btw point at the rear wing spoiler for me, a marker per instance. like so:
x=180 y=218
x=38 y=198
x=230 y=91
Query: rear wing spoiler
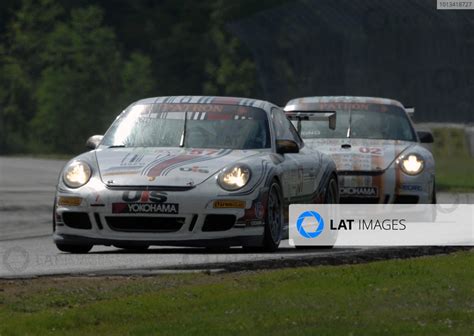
x=330 y=116
x=410 y=111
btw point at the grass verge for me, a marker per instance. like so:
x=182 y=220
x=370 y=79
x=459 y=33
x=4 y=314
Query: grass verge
x=454 y=166
x=429 y=295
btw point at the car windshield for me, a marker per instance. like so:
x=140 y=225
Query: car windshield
x=374 y=122
x=206 y=126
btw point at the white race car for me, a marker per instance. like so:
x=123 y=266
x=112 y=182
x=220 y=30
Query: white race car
x=193 y=171
x=379 y=156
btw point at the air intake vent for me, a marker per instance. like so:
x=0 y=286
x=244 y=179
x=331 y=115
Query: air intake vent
x=218 y=223
x=145 y=224
x=406 y=199
x=77 y=220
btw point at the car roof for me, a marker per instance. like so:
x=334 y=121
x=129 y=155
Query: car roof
x=208 y=100
x=345 y=99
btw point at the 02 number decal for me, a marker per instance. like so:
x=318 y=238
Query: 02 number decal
x=371 y=150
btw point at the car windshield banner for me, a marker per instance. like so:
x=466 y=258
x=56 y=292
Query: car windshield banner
x=381 y=224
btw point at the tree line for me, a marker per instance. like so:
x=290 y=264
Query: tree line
x=67 y=68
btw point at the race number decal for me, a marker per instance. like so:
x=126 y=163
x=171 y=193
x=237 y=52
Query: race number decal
x=371 y=150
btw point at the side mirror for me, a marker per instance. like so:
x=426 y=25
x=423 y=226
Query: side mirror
x=94 y=141
x=425 y=137
x=287 y=147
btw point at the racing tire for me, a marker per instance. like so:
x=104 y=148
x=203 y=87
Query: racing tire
x=54 y=217
x=332 y=192
x=273 y=219
x=330 y=197
x=73 y=248
x=434 y=201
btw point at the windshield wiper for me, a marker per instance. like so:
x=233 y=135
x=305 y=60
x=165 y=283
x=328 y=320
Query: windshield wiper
x=183 y=135
x=117 y=146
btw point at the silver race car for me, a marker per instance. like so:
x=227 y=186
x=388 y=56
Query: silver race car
x=379 y=156
x=192 y=171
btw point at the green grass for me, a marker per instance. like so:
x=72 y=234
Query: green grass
x=424 y=296
x=454 y=166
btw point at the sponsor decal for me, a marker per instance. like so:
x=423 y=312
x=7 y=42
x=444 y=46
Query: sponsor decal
x=156 y=208
x=411 y=187
x=191 y=108
x=195 y=169
x=229 y=204
x=144 y=196
x=206 y=152
x=69 y=201
x=259 y=210
x=145 y=202
x=359 y=191
x=341 y=106
x=310 y=133
x=257 y=223
x=346 y=106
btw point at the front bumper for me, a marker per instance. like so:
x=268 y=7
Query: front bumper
x=387 y=187
x=98 y=220
x=246 y=240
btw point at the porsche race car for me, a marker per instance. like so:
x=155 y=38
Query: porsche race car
x=192 y=171
x=380 y=157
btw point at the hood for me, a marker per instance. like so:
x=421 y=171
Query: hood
x=176 y=167
x=360 y=154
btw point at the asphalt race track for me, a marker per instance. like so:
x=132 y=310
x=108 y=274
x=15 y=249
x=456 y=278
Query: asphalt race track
x=26 y=248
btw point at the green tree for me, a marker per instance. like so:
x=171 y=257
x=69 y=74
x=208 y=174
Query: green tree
x=20 y=67
x=85 y=83
x=231 y=71
x=136 y=78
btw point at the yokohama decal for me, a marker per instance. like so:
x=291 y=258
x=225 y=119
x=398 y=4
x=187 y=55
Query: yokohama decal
x=151 y=208
x=359 y=191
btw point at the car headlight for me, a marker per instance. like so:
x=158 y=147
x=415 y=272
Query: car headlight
x=234 y=178
x=411 y=164
x=77 y=174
